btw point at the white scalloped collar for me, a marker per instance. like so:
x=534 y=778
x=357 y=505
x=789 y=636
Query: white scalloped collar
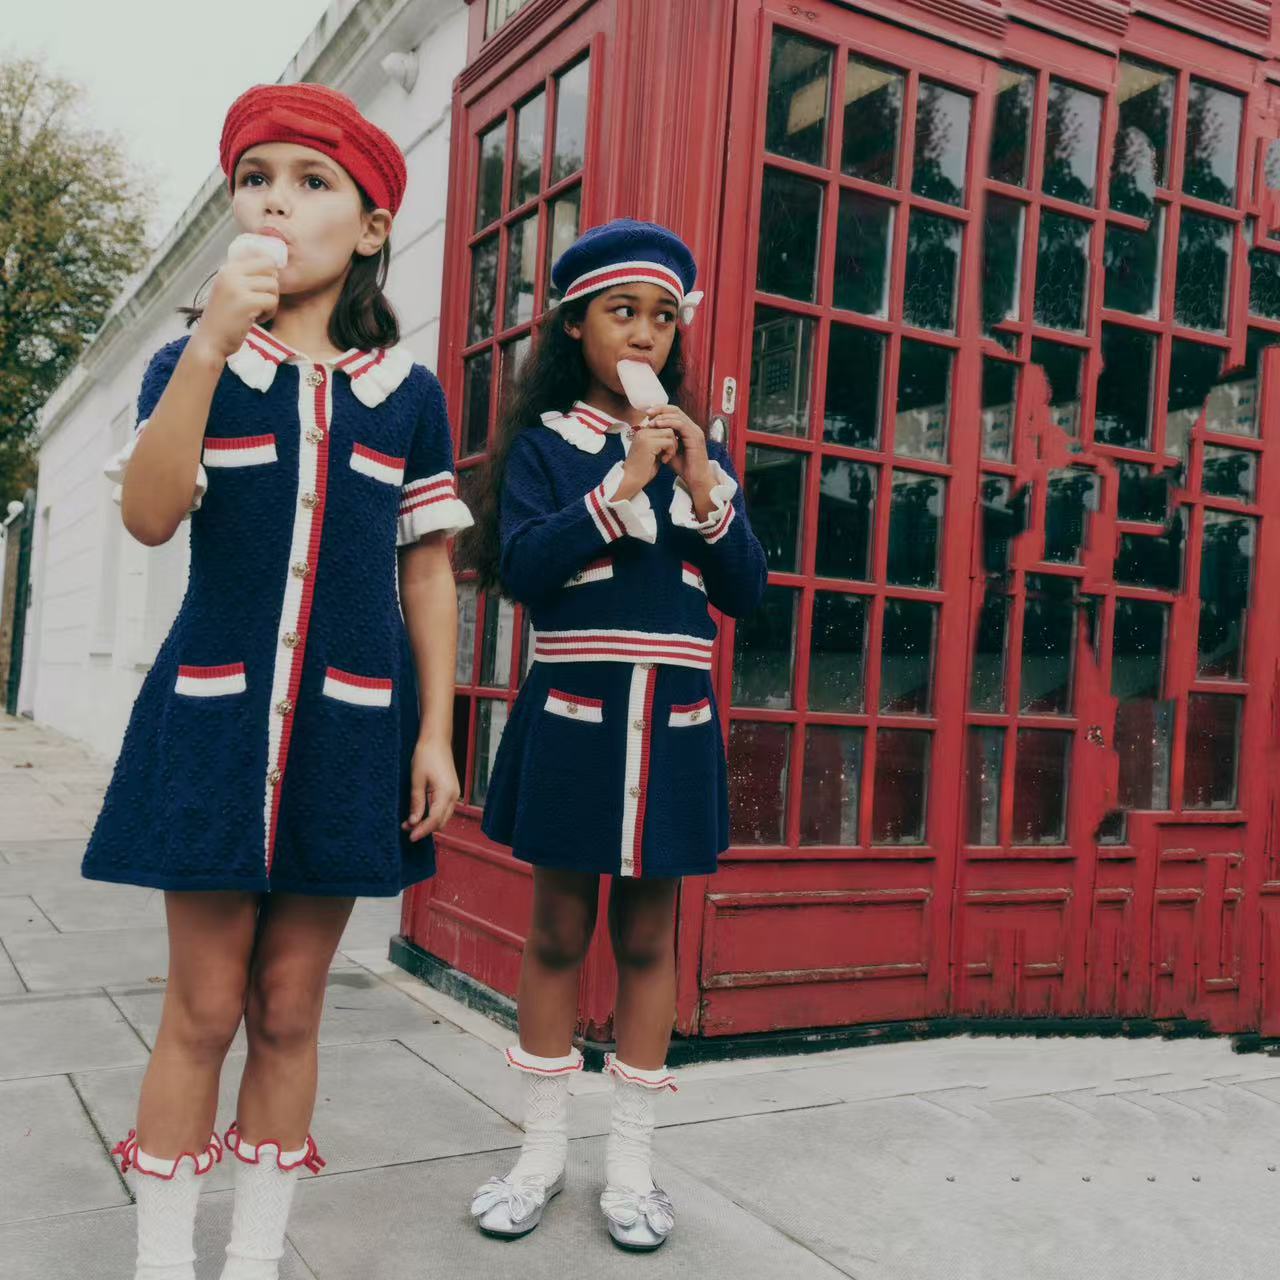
x=374 y=374
x=586 y=427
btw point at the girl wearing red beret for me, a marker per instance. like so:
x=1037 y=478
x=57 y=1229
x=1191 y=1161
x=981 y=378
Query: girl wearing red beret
x=284 y=746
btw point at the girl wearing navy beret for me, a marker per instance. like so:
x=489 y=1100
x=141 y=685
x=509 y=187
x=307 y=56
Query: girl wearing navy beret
x=282 y=749
x=617 y=525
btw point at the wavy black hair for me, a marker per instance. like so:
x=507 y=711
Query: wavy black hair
x=552 y=376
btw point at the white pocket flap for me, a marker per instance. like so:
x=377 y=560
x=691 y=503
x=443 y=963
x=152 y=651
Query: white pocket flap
x=574 y=707
x=689 y=714
x=210 y=682
x=362 y=691
x=239 y=451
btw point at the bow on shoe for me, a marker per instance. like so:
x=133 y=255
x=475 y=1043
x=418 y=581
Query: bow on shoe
x=625 y=1208
x=522 y=1198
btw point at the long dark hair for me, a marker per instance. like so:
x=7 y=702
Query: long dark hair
x=552 y=376
x=362 y=317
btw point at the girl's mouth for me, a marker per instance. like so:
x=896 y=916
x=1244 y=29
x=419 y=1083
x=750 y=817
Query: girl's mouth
x=277 y=233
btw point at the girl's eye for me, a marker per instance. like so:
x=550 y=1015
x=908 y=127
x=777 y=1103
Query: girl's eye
x=323 y=185
x=250 y=179
x=623 y=307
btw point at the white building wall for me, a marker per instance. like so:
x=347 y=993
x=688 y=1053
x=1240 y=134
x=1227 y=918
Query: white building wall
x=103 y=603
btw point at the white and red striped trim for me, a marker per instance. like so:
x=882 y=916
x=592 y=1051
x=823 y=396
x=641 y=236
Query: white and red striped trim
x=431 y=505
x=634 y=272
x=523 y=1060
x=721 y=527
x=573 y=707
x=597 y=571
x=628 y=516
x=429 y=490
x=691 y=576
x=210 y=682
x=719 y=518
x=378 y=466
x=363 y=691
x=635 y=782
x=608 y=523
x=623 y=646
x=239 y=451
x=690 y=713
x=650 y=1078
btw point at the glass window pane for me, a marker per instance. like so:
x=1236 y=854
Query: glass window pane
x=906 y=656
x=1138 y=648
x=564 y=215
x=1233 y=400
x=846 y=519
x=765 y=650
x=759 y=765
x=477 y=381
x=982 y=782
x=924 y=400
x=571 y=120
x=1264 y=283
x=1230 y=473
x=513 y=354
x=1011 y=127
x=1062 y=271
x=465 y=657
x=933 y=267
x=1193 y=371
x=499 y=636
x=790 y=219
x=1063 y=367
x=531 y=124
x=1002 y=261
x=986 y=687
x=1213 y=747
x=900 y=801
x=484 y=282
x=1213 y=143
x=1131 y=263
x=1204 y=267
x=1143 y=493
x=832 y=786
x=1144 y=96
x=781 y=372
x=1144 y=747
x=1153 y=560
x=855 y=373
x=1041 y=776
x=837 y=652
x=999 y=398
x=864 y=237
x=1004 y=516
x=915 y=528
x=1071 y=143
x=522 y=267
x=461 y=735
x=1048 y=644
x=799 y=91
x=774 y=492
x=1071 y=495
x=493 y=155
x=491 y=719
x=1226 y=568
x=1123 y=413
x=872 y=122
x=942 y=143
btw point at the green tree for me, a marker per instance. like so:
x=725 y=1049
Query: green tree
x=72 y=230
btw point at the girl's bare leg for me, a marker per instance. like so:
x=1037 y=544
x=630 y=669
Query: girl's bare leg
x=642 y=926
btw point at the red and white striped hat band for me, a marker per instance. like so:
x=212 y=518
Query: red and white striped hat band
x=638 y=272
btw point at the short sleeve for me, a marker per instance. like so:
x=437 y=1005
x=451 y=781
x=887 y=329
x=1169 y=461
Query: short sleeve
x=154 y=381
x=429 y=501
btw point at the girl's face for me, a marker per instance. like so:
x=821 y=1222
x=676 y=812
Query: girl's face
x=630 y=322
x=313 y=205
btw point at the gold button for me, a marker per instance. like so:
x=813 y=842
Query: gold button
x=315 y=435
x=315 y=378
x=646 y=666
x=284 y=706
x=571 y=708
x=635 y=791
x=701 y=583
x=577 y=577
x=274 y=776
x=310 y=501
x=289 y=639
x=301 y=568
x=637 y=724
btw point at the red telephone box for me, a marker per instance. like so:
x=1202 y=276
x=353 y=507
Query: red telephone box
x=992 y=286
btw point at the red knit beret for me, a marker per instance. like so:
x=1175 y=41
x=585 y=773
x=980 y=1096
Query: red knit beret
x=312 y=115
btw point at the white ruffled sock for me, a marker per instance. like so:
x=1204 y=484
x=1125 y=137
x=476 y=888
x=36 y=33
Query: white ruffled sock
x=628 y=1150
x=265 y=1181
x=546 y=1112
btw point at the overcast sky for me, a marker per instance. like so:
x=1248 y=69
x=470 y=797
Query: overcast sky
x=161 y=73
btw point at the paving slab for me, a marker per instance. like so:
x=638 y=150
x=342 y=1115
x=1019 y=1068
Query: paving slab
x=48 y=1035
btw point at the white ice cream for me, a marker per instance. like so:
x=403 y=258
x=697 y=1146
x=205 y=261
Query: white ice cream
x=641 y=384
x=248 y=244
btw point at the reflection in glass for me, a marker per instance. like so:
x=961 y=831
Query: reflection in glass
x=799 y=91
x=1131 y=263
x=1153 y=560
x=564 y=213
x=1233 y=402
x=1204 y=266
x=924 y=400
x=513 y=354
x=1048 y=644
x=1123 y=413
x=522 y=266
x=942 y=143
x=1072 y=128
x=837 y=652
x=1264 y=283
x=1143 y=493
x=872 y=121
x=1194 y=370
x=790 y=218
x=933 y=266
x=499 y=636
x=1062 y=367
x=906 y=656
x=855 y=372
x=1062 y=271
x=986 y=687
x=1138 y=648
x=484 y=283
x=1011 y=126
x=982 y=782
x=1226 y=568
x=1230 y=473
x=1144 y=721
x=571 y=120
x=1071 y=495
x=1213 y=143
x=846 y=506
x=531 y=121
x=465 y=655
x=1213 y=747
x=1042 y=771
x=1004 y=516
x=491 y=719
x=999 y=399
x=774 y=491
x=781 y=369
x=764 y=652
x=832 y=786
x=477 y=380
x=1002 y=261
x=493 y=155
x=1144 y=96
x=864 y=235
x=915 y=526
x=899 y=801
x=759 y=760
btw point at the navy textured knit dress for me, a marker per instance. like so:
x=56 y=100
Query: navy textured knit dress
x=612 y=760
x=270 y=744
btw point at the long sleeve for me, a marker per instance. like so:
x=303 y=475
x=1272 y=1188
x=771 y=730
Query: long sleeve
x=543 y=543
x=730 y=556
x=429 y=501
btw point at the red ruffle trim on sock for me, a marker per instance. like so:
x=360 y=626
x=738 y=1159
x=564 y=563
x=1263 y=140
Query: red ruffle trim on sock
x=202 y=1161
x=310 y=1159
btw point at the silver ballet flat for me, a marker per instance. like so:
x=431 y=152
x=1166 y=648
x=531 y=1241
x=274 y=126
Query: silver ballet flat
x=636 y=1220
x=510 y=1209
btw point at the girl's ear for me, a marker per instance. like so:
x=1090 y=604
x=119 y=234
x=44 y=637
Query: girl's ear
x=377 y=227
x=573 y=329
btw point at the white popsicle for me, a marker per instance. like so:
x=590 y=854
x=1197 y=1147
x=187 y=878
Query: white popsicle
x=246 y=245
x=641 y=384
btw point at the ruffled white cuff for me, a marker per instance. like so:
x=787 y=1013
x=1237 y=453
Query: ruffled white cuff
x=118 y=464
x=451 y=516
x=717 y=523
x=615 y=519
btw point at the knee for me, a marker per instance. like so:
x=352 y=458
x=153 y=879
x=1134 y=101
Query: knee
x=561 y=944
x=205 y=1022
x=282 y=1014
x=640 y=945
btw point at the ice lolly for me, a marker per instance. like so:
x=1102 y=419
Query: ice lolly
x=246 y=245
x=641 y=384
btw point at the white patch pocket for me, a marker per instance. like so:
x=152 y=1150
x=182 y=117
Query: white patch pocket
x=691 y=576
x=597 y=571
x=210 y=682
x=573 y=707
x=690 y=714
x=239 y=451
x=360 y=691
x=378 y=466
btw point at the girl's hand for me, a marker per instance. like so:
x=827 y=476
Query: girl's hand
x=245 y=290
x=650 y=448
x=690 y=460
x=431 y=773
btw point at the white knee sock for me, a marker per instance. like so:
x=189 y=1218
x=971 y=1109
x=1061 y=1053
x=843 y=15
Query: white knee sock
x=546 y=1112
x=265 y=1182
x=629 y=1146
